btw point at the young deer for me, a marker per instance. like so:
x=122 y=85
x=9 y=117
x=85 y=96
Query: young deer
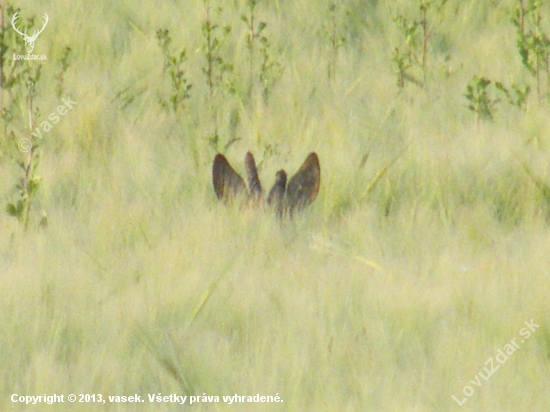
x=302 y=189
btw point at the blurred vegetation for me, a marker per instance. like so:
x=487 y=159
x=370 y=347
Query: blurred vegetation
x=423 y=255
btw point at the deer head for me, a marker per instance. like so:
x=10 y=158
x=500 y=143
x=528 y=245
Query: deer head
x=29 y=40
x=302 y=188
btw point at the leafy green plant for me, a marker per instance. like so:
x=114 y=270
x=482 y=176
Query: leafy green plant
x=334 y=32
x=515 y=95
x=479 y=97
x=271 y=69
x=12 y=74
x=254 y=32
x=18 y=80
x=29 y=182
x=64 y=66
x=402 y=62
x=482 y=102
x=10 y=43
x=174 y=65
x=532 y=42
x=217 y=70
x=414 y=52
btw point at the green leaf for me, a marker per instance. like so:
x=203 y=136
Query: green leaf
x=11 y=210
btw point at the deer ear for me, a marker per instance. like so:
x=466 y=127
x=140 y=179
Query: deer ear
x=254 y=184
x=227 y=183
x=276 y=196
x=304 y=185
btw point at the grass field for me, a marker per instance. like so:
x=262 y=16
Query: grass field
x=424 y=254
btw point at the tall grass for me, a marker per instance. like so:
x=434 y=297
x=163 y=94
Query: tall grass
x=143 y=283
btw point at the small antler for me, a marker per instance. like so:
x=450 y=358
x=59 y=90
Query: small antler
x=35 y=33
x=13 y=20
x=29 y=40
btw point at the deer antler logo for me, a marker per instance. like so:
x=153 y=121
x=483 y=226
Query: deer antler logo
x=29 y=40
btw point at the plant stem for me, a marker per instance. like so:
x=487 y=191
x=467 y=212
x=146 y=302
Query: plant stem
x=425 y=35
x=28 y=166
